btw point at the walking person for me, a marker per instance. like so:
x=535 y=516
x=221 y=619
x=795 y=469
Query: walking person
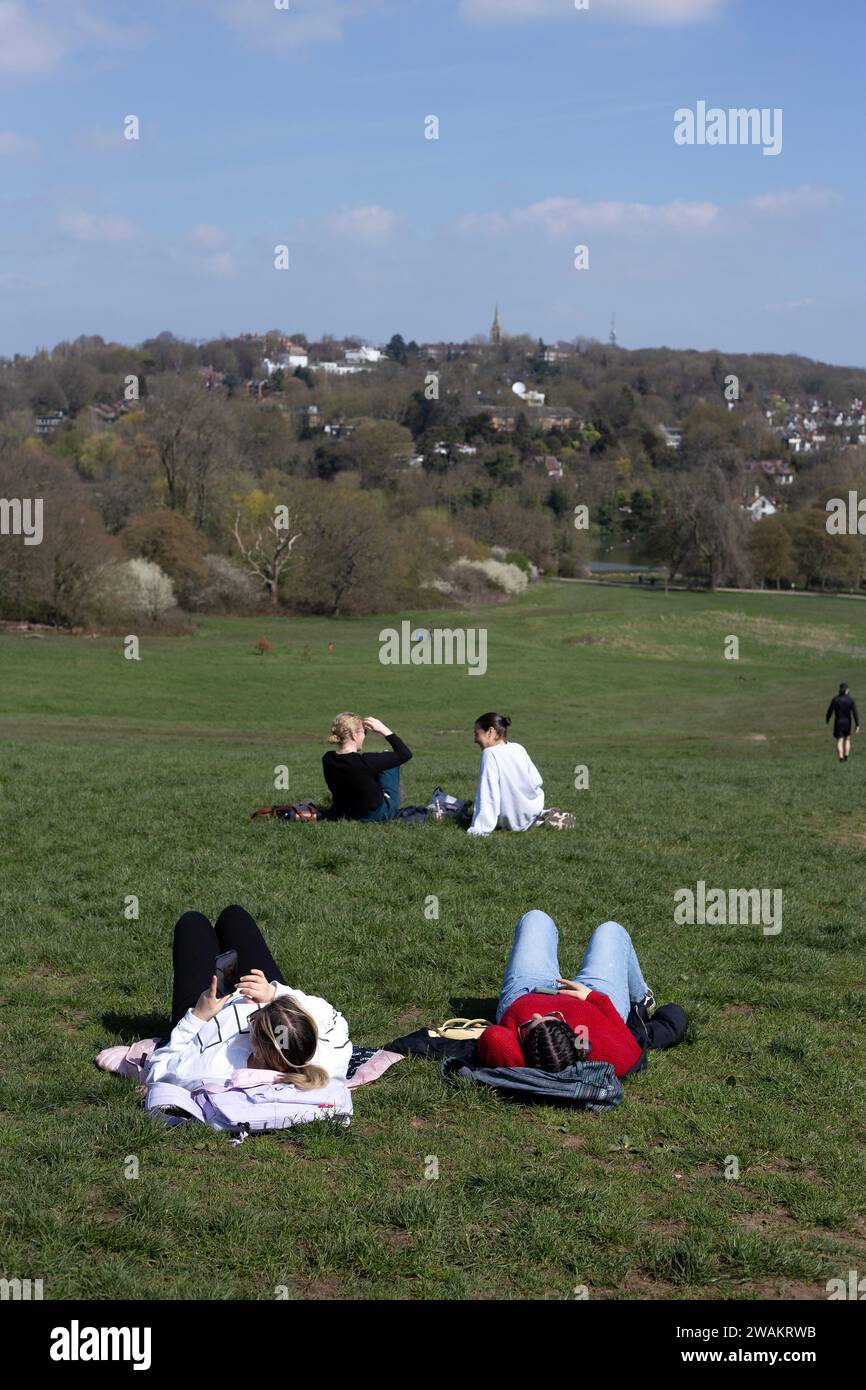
x=844 y=711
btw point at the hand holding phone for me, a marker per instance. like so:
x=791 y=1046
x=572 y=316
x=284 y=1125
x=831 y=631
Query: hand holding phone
x=226 y=971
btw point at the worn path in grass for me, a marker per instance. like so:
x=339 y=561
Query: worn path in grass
x=122 y=778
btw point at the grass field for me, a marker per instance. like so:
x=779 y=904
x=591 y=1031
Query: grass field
x=122 y=778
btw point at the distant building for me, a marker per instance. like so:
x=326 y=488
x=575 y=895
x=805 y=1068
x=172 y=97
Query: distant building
x=672 y=435
x=552 y=417
x=46 y=424
x=550 y=463
x=760 y=506
x=337 y=368
x=782 y=474
x=496 y=329
x=286 y=361
x=362 y=356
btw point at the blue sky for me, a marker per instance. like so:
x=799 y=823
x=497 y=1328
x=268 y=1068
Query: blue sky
x=305 y=126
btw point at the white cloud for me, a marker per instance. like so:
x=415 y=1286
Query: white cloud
x=11 y=143
x=207 y=235
x=804 y=199
x=571 y=216
x=304 y=22
x=36 y=35
x=559 y=217
x=373 y=224
x=27 y=42
x=635 y=11
x=88 y=227
x=789 y=305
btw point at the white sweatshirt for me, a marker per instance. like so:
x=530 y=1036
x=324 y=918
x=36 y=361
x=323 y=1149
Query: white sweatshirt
x=211 y=1050
x=509 y=791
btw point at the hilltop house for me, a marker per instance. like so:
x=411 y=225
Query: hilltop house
x=551 y=464
x=759 y=507
x=294 y=356
x=362 y=356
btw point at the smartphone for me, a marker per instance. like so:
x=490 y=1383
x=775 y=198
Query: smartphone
x=545 y=989
x=226 y=970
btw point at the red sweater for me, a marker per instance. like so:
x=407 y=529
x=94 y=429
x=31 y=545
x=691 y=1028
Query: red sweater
x=611 y=1041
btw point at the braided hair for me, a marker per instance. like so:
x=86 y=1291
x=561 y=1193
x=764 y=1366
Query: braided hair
x=552 y=1046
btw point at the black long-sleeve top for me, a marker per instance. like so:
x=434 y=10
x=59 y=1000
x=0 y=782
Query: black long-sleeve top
x=352 y=778
x=843 y=708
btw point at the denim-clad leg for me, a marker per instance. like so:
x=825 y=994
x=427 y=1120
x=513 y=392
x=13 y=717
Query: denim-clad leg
x=534 y=958
x=389 y=781
x=611 y=966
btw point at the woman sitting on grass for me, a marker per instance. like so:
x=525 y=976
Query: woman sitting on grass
x=363 y=786
x=263 y=1025
x=571 y=1019
x=509 y=792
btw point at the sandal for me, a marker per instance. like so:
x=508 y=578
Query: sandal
x=460 y=1029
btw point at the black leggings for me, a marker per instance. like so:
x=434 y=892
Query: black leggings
x=197 y=944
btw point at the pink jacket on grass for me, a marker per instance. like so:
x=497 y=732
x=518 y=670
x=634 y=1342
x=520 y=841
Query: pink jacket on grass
x=250 y=1099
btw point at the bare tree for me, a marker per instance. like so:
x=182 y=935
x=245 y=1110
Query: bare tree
x=264 y=538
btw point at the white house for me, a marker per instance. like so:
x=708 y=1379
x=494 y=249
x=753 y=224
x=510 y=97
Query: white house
x=336 y=368
x=362 y=356
x=286 y=361
x=760 y=506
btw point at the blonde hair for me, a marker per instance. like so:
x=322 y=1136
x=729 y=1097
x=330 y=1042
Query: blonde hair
x=345 y=726
x=285 y=1038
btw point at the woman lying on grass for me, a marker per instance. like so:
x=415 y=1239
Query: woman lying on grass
x=363 y=786
x=263 y=1025
x=548 y=1022
x=509 y=792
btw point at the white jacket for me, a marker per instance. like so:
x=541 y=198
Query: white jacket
x=211 y=1051
x=509 y=791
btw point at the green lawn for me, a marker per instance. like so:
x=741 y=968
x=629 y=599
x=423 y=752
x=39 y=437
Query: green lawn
x=121 y=778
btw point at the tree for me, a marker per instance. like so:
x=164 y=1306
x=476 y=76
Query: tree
x=168 y=540
x=353 y=560
x=821 y=558
x=771 y=550
x=55 y=581
x=138 y=588
x=265 y=536
x=379 y=449
x=698 y=522
x=397 y=350
x=191 y=433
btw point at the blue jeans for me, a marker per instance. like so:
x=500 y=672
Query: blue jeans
x=609 y=963
x=389 y=781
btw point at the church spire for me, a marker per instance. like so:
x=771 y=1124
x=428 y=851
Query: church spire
x=496 y=330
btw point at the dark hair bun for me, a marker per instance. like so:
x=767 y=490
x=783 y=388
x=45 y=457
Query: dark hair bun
x=499 y=722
